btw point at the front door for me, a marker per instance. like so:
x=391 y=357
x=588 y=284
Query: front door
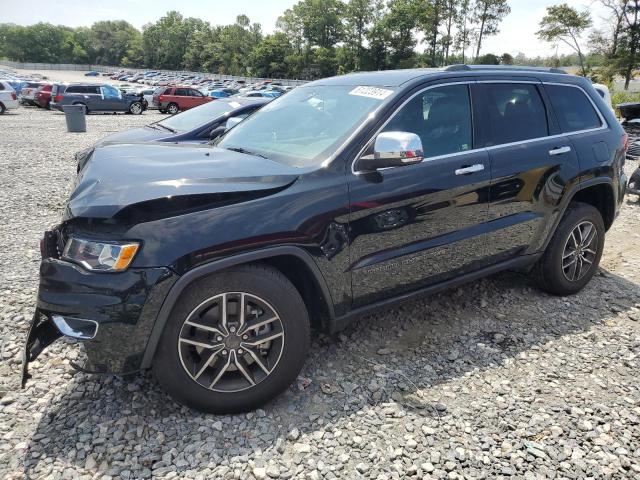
x=417 y=225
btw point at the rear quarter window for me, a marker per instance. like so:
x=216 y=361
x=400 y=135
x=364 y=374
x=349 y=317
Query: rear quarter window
x=573 y=109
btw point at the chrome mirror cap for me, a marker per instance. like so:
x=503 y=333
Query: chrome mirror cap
x=403 y=146
x=392 y=149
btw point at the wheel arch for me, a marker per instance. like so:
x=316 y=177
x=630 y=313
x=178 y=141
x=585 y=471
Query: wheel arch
x=600 y=194
x=293 y=262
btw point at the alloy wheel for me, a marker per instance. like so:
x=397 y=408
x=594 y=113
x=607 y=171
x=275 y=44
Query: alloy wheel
x=231 y=342
x=580 y=251
x=136 y=108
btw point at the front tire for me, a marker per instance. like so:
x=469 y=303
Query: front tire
x=2 y=108
x=234 y=341
x=573 y=254
x=136 y=108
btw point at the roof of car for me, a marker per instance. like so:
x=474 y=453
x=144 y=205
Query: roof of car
x=395 y=78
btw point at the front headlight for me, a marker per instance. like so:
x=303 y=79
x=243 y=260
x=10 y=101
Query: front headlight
x=100 y=256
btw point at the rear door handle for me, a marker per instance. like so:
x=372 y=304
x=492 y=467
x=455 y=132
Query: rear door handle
x=478 y=167
x=559 y=150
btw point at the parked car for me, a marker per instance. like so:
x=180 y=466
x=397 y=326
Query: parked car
x=28 y=93
x=97 y=98
x=262 y=93
x=92 y=74
x=8 y=97
x=198 y=125
x=209 y=263
x=604 y=92
x=43 y=96
x=175 y=99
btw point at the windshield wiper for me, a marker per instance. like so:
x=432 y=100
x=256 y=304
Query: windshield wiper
x=246 y=152
x=172 y=130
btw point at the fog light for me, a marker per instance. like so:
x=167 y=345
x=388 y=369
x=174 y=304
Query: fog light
x=76 y=327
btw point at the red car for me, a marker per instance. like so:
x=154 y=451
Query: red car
x=43 y=96
x=174 y=99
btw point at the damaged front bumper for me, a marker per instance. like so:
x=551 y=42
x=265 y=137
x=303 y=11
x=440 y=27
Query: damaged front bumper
x=112 y=314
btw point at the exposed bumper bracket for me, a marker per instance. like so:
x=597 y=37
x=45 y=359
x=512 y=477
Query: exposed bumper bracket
x=42 y=333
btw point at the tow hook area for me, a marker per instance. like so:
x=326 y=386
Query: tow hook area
x=42 y=333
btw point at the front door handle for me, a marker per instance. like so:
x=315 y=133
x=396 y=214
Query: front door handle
x=559 y=150
x=478 y=167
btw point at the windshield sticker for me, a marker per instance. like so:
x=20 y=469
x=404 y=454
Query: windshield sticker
x=371 y=92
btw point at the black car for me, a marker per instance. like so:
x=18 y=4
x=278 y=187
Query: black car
x=198 y=125
x=210 y=264
x=97 y=98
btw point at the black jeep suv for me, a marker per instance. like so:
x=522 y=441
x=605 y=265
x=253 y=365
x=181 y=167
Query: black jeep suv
x=209 y=263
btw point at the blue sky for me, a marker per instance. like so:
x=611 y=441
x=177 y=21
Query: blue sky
x=517 y=31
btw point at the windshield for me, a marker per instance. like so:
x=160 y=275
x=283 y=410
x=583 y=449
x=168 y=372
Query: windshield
x=190 y=119
x=306 y=126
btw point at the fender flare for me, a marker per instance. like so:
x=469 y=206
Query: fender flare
x=568 y=197
x=212 y=267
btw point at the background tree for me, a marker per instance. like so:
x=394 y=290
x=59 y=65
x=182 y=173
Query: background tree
x=565 y=24
x=488 y=14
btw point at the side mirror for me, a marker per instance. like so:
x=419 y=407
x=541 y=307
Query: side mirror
x=232 y=122
x=392 y=149
x=216 y=132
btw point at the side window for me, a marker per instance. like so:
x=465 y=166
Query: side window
x=93 y=90
x=573 y=109
x=441 y=117
x=182 y=92
x=73 y=89
x=110 y=92
x=1 y=86
x=195 y=93
x=516 y=112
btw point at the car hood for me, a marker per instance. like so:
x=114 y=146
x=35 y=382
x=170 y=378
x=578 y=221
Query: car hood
x=169 y=179
x=142 y=134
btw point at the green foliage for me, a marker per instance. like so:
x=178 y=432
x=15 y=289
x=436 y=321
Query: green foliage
x=563 y=23
x=313 y=38
x=624 y=96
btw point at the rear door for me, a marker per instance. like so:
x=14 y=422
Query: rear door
x=196 y=97
x=418 y=225
x=532 y=164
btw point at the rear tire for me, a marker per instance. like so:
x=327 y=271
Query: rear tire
x=238 y=369
x=173 y=108
x=573 y=254
x=2 y=108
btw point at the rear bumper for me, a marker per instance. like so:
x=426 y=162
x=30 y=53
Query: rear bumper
x=111 y=314
x=10 y=104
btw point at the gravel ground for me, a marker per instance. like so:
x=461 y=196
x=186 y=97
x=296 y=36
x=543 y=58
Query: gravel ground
x=490 y=380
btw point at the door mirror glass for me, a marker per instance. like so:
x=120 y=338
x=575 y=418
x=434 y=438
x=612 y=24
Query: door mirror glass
x=392 y=149
x=232 y=122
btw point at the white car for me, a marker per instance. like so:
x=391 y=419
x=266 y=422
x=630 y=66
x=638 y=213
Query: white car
x=8 y=97
x=603 y=91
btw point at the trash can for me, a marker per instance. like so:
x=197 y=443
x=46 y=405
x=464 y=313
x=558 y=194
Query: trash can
x=74 y=114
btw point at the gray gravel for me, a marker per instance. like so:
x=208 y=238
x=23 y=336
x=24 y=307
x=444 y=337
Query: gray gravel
x=493 y=379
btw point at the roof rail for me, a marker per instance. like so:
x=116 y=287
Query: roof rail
x=514 y=68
